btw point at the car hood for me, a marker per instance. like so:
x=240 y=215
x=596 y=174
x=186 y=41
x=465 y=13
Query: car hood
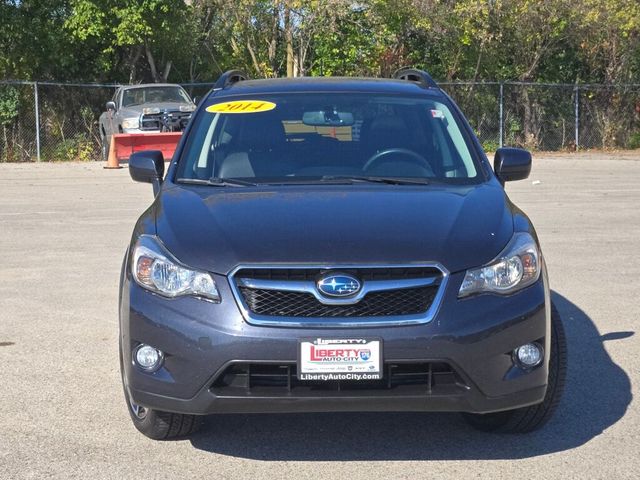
x=219 y=228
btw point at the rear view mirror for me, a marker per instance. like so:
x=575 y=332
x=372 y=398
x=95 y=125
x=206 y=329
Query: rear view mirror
x=512 y=164
x=111 y=106
x=327 y=118
x=147 y=167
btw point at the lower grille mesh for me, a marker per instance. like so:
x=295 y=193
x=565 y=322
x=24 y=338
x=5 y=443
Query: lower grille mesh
x=420 y=378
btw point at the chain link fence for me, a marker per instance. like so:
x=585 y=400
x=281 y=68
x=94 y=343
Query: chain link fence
x=57 y=122
x=551 y=117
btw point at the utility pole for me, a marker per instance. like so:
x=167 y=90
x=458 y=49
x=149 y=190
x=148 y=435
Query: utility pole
x=501 y=114
x=37 y=112
x=577 y=116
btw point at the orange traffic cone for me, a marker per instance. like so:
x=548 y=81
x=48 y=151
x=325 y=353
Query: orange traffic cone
x=112 y=159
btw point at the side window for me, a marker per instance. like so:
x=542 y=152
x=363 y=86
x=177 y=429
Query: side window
x=117 y=98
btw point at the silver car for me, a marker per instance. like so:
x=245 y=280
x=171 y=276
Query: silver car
x=146 y=108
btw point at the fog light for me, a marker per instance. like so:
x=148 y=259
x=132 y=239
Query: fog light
x=529 y=355
x=147 y=358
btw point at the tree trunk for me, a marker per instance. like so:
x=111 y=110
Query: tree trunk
x=254 y=59
x=288 y=38
x=273 y=42
x=152 y=63
x=167 y=70
x=157 y=77
x=192 y=76
x=134 y=64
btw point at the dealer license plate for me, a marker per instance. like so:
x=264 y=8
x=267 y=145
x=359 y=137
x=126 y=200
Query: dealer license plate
x=340 y=359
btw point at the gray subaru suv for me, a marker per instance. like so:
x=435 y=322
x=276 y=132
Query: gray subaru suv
x=335 y=245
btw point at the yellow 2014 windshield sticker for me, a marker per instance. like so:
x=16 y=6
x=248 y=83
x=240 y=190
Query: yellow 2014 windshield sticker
x=242 y=106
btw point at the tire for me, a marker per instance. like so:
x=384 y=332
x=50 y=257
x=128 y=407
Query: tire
x=528 y=419
x=156 y=424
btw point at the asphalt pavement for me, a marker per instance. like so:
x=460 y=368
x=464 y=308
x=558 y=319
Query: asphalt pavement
x=63 y=232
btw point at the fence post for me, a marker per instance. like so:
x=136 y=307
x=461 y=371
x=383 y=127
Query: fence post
x=577 y=114
x=35 y=93
x=501 y=114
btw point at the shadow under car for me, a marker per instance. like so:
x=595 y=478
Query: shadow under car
x=597 y=394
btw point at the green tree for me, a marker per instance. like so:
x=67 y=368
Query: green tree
x=126 y=33
x=179 y=40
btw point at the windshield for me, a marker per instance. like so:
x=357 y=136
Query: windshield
x=292 y=138
x=138 y=96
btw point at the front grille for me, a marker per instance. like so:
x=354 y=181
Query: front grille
x=280 y=379
x=278 y=303
x=169 y=121
x=287 y=293
x=364 y=274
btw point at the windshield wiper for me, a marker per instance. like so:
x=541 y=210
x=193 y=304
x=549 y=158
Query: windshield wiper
x=326 y=179
x=218 y=182
x=234 y=182
x=387 y=180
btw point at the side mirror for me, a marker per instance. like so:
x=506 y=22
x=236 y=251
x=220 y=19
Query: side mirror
x=512 y=164
x=147 y=167
x=111 y=106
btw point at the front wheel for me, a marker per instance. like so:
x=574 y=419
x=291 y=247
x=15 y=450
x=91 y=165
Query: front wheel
x=160 y=425
x=527 y=419
x=157 y=424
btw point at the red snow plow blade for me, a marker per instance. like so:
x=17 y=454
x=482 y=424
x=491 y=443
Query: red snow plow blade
x=124 y=144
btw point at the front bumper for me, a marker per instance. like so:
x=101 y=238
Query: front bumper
x=475 y=336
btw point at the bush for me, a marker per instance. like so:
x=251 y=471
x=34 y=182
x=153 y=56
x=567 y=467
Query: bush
x=76 y=149
x=9 y=104
x=634 y=141
x=490 y=145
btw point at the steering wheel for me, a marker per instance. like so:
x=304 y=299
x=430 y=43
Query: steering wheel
x=379 y=156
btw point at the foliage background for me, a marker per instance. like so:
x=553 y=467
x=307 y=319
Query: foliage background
x=185 y=41
x=592 y=41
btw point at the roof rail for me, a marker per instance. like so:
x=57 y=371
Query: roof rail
x=415 y=75
x=229 y=78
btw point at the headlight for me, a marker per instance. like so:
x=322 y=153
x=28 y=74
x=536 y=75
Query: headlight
x=187 y=108
x=516 y=267
x=155 y=269
x=129 y=123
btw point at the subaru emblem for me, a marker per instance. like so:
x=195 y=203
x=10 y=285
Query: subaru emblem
x=338 y=285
